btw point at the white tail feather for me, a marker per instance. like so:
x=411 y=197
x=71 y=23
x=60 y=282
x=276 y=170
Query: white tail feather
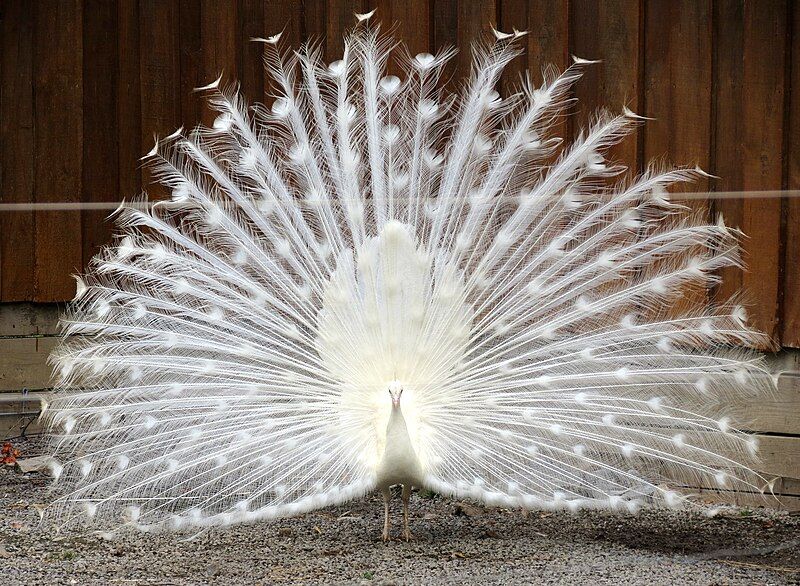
x=228 y=359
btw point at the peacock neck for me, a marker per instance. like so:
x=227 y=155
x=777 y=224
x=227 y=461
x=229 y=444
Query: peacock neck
x=399 y=464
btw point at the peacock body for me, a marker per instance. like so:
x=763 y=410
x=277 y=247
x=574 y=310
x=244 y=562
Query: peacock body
x=372 y=283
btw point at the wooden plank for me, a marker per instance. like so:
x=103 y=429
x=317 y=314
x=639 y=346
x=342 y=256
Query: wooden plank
x=313 y=23
x=410 y=21
x=780 y=455
x=19 y=412
x=251 y=25
x=548 y=35
x=727 y=145
x=546 y=44
x=445 y=25
x=514 y=14
x=159 y=65
x=129 y=106
x=461 y=25
x=764 y=62
x=609 y=31
x=220 y=37
x=677 y=86
x=16 y=150
x=100 y=145
x=58 y=144
x=27 y=319
x=23 y=363
x=677 y=93
x=290 y=21
x=749 y=86
x=192 y=74
x=340 y=19
x=789 y=503
x=775 y=414
x=790 y=326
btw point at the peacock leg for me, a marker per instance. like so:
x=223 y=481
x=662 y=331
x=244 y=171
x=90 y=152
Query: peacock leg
x=406 y=497
x=387 y=495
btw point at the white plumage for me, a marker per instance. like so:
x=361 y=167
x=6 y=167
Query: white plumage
x=370 y=283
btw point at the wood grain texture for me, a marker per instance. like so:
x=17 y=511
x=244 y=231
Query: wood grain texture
x=748 y=141
x=677 y=94
x=609 y=31
x=17 y=150
x=191 y=64
x=677 y=86
x=221 y=40
x=129 y=104
x=409 y=21
x=251 y=25
x=715 y=74
x=764 y=63
x=548 y=39
x=546 y=43
x=159 y=72
x=100 y=180
x=790 y=324
x=774 y=414
x=340 y=19
x=24 y=363
x=58 y=144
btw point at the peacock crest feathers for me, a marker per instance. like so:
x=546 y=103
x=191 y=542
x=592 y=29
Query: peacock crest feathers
x=228 y=358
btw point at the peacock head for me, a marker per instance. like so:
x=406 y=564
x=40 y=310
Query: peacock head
x=395 y=392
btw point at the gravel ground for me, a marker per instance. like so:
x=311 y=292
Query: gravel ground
x=455 y=543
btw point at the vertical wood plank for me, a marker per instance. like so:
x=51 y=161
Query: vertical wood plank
x=445 y=24
x=548 y=35
x=748 y=144
x=58 y=144
x=289 y=20
x=461 y=25
x=475 y=22
x=340 y=19
x=728 y=130
x=677 y=93
x=409 y=20
x=221 y=39
x=251 y=25
x=546 y=44
x=159 y=70
x=677 y=85
x=514 y=14
x=314 y=23
x=609 y=31
x=790 y=327
x=129 y=105
x=100 y=150
x=16 y=150
x=191 y=65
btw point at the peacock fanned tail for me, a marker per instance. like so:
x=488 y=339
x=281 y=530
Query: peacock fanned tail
x=227 y=359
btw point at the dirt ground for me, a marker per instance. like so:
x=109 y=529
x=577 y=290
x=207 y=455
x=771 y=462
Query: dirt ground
x=455 y=543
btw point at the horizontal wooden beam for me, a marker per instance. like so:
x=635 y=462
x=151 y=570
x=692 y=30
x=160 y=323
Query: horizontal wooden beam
x=23 y=362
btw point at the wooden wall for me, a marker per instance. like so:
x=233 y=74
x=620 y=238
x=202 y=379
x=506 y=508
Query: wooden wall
x=86 y=84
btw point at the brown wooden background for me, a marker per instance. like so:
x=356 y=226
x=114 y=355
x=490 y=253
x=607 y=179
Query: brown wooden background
x=85 y=85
